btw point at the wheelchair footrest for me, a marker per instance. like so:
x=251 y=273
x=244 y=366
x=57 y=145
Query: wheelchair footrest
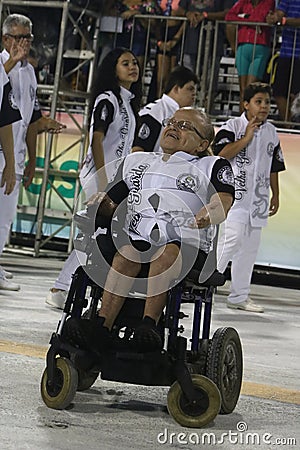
x=153 y=369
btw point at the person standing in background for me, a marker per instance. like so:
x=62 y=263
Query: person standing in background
x=251 y=145
x=115 y=96
x=253 y=42
x=180 y=92
x=16 y=38
x=287 y=16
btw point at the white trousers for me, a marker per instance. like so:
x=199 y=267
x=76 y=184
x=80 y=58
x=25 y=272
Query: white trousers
x=76 y=258
x=239 y=244
x=8 y=209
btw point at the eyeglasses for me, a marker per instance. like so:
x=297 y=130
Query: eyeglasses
x=18 y=37
x=184 y=125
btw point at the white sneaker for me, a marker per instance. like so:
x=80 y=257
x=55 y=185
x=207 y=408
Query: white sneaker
x=7 y=285
x=56 y=299
x=5 y=274
x=247 y=305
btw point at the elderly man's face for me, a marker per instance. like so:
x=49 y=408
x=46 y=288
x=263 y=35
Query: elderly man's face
x=184 y=132
x=19 y=36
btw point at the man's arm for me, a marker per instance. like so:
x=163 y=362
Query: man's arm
x=46 y=123
x=274 y=202
x=31 y=141
x=229 y=151
x=98 y=155
x=278 y=17
x=7 y=142
x=215 y=211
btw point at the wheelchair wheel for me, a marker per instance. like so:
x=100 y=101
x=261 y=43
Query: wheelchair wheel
x=199 y=413
x=224 y=366
x=86 y=379
x=61 y=393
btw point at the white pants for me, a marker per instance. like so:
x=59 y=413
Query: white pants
x=76 y=258
x=239 y=244
x=8 y=209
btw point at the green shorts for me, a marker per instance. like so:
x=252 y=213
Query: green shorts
x=252 y=59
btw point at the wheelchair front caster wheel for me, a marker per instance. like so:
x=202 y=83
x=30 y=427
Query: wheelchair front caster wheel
x=60 y=393
x=201 y=411
x=86 y=379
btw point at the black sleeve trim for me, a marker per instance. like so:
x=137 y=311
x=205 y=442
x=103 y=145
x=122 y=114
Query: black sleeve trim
x=223 y=137
x=8 y=113
x=277 y=160
x=148 y=133
x=222 y=178
x=103 y=116
x=118 y=190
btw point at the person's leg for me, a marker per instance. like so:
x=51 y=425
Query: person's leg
x=125 y=268
x=163 y=65
x=63 y=281
x=8 y=211
x=163 y=270
x=242 y=64
x=242 y=265
x=230 y=239
x=283 y=110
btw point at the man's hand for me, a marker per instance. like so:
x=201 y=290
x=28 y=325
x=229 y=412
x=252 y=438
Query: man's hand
x=50 y=125
x=19 y=50
x=194 y=18
x=202 y=218
x=28 y=174
x=274 y=206
x=95 y=199
x=253 y=125
x=8 y=179
x=272 y=18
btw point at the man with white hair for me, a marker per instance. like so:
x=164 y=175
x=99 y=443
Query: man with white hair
x=16 y=38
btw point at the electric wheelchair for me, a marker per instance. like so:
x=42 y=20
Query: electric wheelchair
x=204 y=374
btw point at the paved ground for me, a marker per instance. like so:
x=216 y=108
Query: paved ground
x=112 y=415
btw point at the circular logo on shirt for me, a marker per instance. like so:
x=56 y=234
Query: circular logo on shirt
x=225 y=176
x=144 y=131
x=12 y=100
x=279 y=155
x=188 y=182
x=270 y=149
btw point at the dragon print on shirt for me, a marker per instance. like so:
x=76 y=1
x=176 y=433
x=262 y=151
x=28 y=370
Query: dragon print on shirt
x=262 y=203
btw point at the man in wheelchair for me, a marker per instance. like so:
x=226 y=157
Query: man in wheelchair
x=173 y=201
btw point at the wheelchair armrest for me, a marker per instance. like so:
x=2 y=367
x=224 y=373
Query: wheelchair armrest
x=216 y=279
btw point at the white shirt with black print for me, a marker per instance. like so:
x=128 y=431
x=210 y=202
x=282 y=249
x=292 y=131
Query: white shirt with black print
x=168 y=194
x=150 y=123
x=24 y=85
x=118 y=123
x=252 y=167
